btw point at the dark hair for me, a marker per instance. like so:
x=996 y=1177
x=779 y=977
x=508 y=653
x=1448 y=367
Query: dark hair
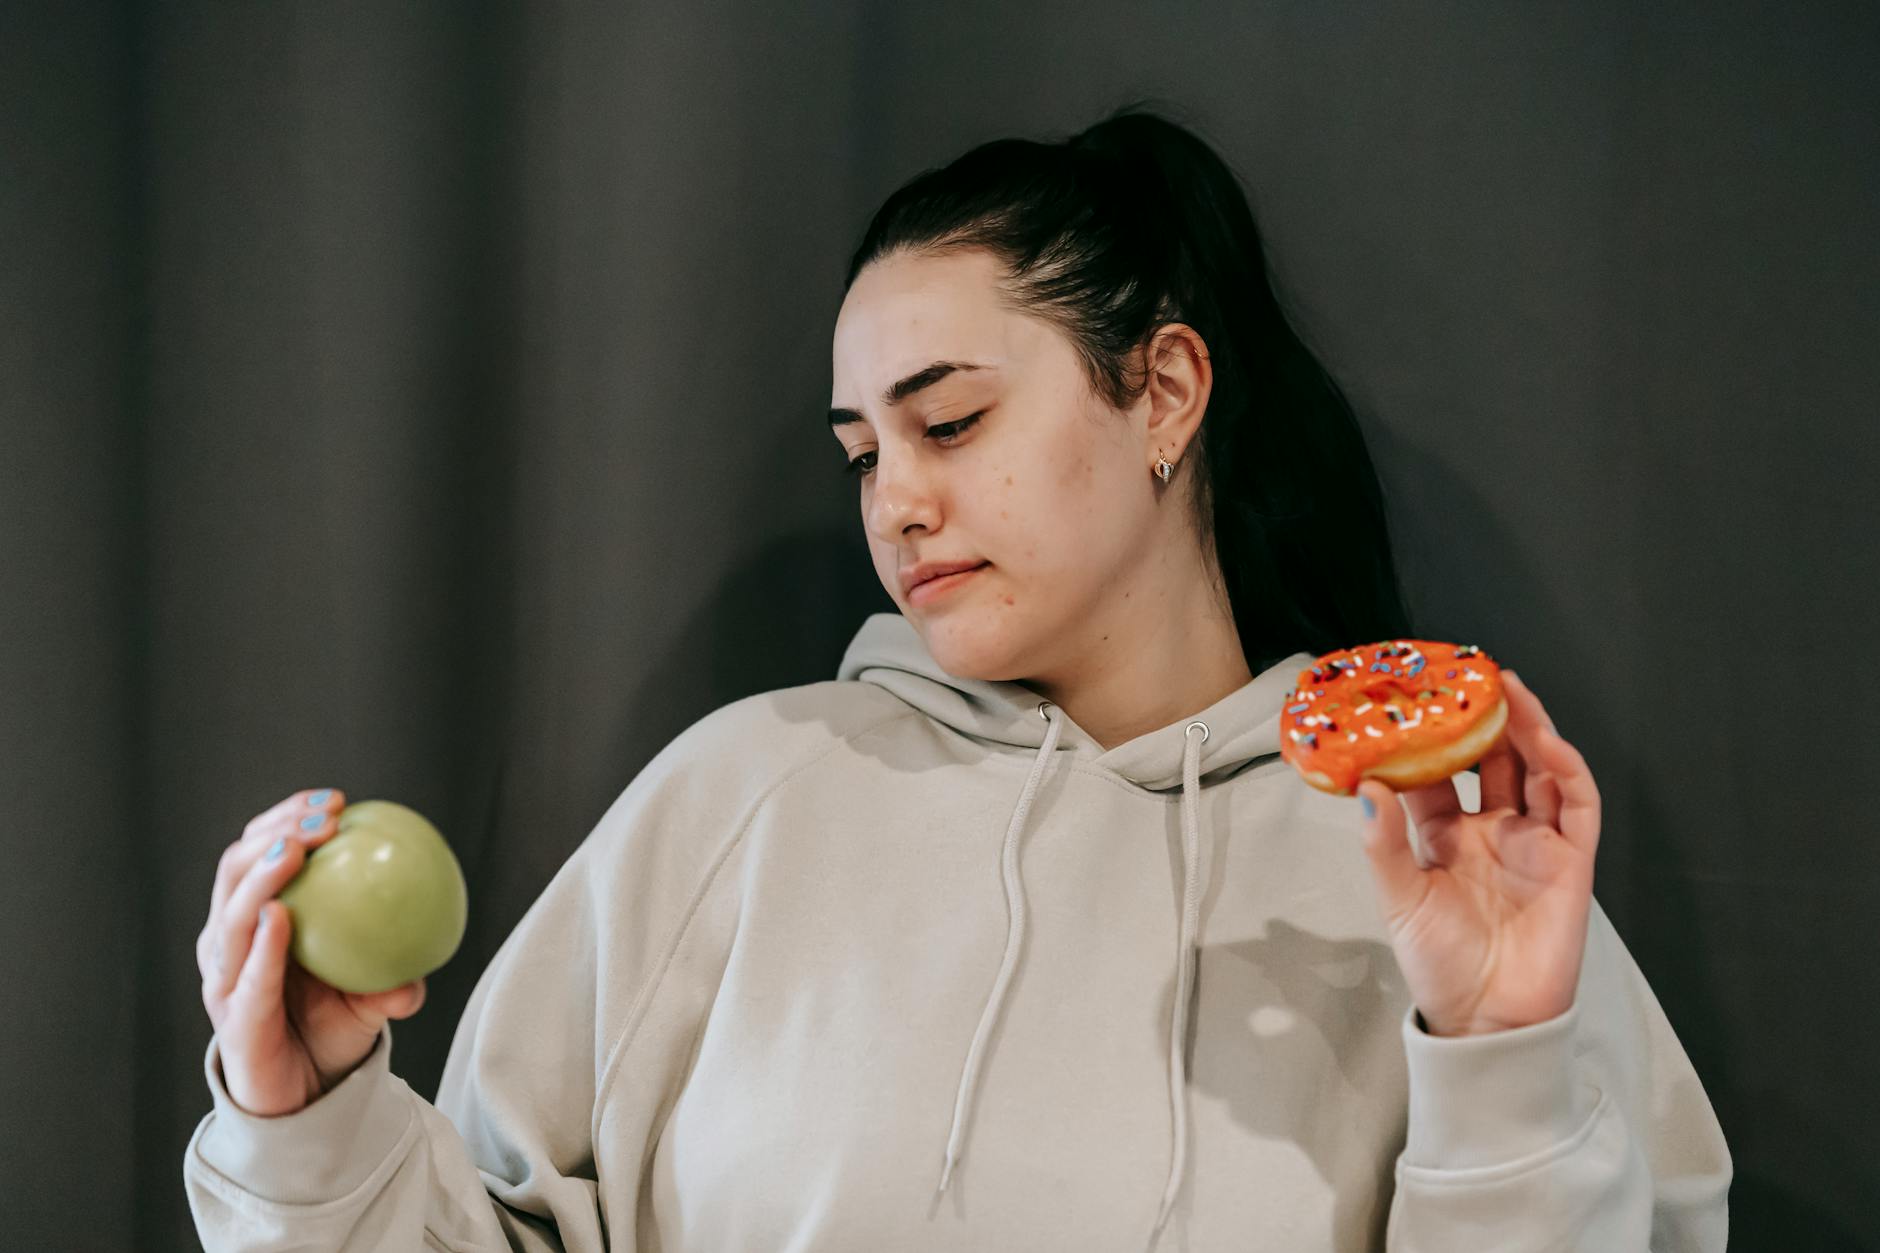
x=1136 y=222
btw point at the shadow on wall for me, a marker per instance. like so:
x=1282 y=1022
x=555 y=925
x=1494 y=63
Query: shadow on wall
x=1449 y=538
x=783 y=615
x=781 y=618
x=1468 y=581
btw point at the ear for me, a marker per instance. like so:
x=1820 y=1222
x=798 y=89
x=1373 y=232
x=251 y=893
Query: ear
x=1180 y=378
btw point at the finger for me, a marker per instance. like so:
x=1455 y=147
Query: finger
x=1540 y=796
x=1503 y=776
x=1533 y=733
x=1576 y=796
x=265 y=825
x=400 y=1002
x=234 y=863
x=209 y=959
x=312 y=827
x=236 y=926
x=1541 y=800
x=257 y=992
x=1527 y=720
x=1433 y=802
x=1394 y=863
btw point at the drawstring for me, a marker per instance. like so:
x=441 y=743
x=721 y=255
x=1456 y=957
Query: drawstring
x=1184 y=968
x=1014 y=936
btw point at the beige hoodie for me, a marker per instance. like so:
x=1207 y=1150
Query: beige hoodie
x=839 y=944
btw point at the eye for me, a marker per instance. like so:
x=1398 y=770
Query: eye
x=943 y=432
x=950 y=430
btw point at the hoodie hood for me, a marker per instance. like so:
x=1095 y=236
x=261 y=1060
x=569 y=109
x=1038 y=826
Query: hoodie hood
x=1243 y=726
x=1213 y=745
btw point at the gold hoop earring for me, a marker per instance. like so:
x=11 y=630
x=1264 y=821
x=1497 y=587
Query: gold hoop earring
x=1163 y=468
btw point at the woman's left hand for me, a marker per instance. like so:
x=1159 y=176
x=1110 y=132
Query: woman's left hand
x=1490 y=933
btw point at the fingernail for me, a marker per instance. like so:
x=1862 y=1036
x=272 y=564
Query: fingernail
x=321 y=797
x=312 y=822
x=276 y=849
x=1370 y=810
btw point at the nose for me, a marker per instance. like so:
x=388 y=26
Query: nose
x=900 y=499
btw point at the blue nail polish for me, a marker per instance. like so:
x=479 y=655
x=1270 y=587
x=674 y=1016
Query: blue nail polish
x=276 y=849
x=1370 y=810
x=321 y=797
x=312 y=821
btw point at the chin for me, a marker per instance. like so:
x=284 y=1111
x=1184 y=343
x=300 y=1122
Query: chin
x=969 y=644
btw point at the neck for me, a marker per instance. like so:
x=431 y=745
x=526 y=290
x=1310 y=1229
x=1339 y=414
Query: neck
x=1154 y=662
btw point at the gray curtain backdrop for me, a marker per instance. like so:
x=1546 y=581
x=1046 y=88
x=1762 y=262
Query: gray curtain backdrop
x=422 y=399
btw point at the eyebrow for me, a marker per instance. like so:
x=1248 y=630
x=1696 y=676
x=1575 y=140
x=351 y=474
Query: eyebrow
x=900 y=391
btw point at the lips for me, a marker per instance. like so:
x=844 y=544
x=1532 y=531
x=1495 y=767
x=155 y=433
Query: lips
x=928 y=571
x=930 y=590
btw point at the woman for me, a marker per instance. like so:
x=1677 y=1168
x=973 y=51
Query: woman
x=1018 y=934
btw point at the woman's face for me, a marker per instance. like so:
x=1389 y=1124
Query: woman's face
x=1015 y=464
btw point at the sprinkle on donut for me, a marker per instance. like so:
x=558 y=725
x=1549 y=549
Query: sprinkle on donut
x=1358 y=707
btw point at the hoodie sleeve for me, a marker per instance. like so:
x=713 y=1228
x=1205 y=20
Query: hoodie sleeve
x=1588 y=1132
x=569 y=1051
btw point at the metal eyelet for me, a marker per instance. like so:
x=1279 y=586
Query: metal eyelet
x=1191 y=726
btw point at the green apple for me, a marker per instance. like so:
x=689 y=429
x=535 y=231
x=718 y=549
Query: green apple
x=381 y=903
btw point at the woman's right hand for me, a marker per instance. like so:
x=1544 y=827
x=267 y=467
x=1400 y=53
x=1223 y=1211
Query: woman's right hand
x=285 y=1037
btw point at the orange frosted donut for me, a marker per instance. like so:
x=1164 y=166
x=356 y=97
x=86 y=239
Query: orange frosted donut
x=1405 y=712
